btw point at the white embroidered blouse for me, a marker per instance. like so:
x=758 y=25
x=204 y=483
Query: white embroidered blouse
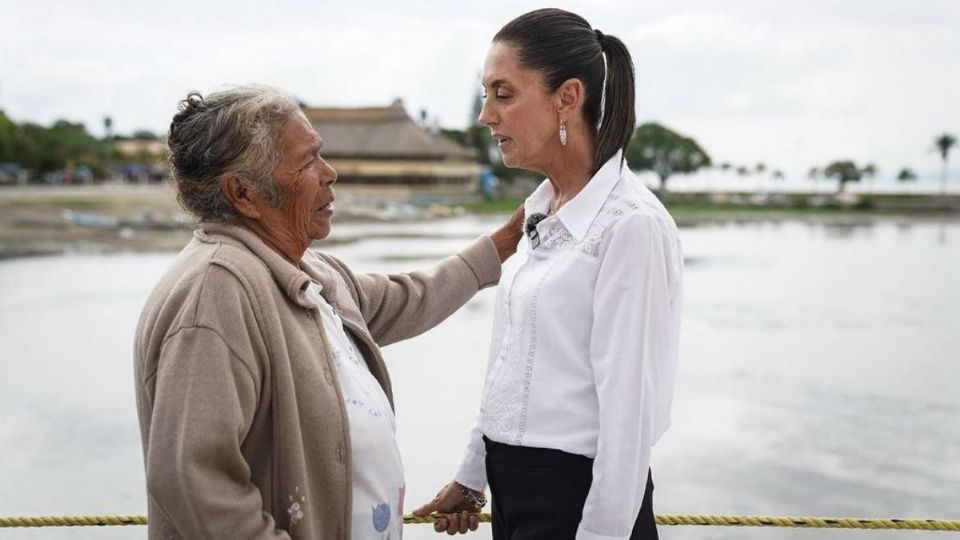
x=583 y=356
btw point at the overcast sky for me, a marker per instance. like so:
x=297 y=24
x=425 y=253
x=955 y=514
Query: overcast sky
x=791 y=83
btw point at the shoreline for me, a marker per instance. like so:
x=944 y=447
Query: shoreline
x=48 y=221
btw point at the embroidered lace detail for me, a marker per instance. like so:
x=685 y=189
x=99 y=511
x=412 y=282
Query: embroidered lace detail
x=557 y=237
x=504 y=407
x=591 y=244
x=531 y=314
x=614 y=198
x=608 y=211
x=501 y=401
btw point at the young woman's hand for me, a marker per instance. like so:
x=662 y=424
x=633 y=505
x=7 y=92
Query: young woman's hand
x=452 y=500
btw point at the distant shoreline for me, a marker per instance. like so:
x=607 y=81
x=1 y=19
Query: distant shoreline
x=37 y=221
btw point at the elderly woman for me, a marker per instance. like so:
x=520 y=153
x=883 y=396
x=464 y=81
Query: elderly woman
x=265 y=406
x=587 y=319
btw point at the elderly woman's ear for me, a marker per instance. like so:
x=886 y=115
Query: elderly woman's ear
x=241 y=195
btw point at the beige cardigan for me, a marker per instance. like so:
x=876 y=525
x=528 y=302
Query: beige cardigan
x=240 y=409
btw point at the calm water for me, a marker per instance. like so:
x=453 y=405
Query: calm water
x=819 y=376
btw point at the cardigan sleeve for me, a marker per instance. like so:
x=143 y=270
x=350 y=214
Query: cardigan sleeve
x=400 y=306
x=204 y=403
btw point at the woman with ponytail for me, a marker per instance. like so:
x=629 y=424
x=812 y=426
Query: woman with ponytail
x=584 y=351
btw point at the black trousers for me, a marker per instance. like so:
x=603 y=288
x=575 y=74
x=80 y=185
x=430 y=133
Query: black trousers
x=538 y=494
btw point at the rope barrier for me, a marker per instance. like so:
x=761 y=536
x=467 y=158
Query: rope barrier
x=662 y=519
x=71 y=521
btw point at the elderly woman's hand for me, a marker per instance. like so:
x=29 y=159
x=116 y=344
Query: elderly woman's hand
x=508 y=235
x=452 y=499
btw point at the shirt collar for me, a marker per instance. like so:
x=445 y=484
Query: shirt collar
x=578 y=214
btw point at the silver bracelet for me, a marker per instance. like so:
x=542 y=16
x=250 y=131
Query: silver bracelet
x=477 y=501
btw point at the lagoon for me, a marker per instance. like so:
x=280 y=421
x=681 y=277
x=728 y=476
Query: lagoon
x=819 y=367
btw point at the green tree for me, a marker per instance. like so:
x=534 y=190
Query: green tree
x=843 y=171
x=143 y=135
x=455 y=135
x=945 y=143
x=906 y=175
x=815 y=173
x=61 y=145
x=666 y=153
x=10 y=138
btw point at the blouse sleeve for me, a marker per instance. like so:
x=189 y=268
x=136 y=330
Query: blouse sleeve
x=630 y=340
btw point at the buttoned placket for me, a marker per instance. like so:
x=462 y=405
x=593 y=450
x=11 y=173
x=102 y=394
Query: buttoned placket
x=532 y=261
x=506 y=341
x=526 y=265
x=320 y=310
x=323 y=309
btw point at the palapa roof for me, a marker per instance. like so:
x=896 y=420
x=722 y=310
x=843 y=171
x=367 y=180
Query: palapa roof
x=381 y=133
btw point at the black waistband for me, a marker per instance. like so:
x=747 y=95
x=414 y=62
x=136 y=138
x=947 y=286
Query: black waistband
x=532 y=456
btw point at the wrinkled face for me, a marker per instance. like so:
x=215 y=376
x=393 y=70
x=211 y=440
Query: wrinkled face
x=519 y=110
x=305 y=181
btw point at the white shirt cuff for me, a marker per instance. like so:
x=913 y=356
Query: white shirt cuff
x=472 y=472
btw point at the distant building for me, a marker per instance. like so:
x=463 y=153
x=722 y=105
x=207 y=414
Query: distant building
x=142 y=148
x=139 y=160
x=381 y=151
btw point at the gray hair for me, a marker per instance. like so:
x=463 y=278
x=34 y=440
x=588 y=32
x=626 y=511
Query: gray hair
x=231 y=132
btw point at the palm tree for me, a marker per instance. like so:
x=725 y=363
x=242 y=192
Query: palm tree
x=869 y=172
x=944 y=143
x=906 y=175
x=814 y=174
x=760 y=169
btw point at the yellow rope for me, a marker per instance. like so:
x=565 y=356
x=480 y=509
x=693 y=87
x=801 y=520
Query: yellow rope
x=812 y=522
x=662 y=519
x=71 y=521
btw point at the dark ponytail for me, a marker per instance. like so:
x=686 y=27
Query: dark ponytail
x=562 y=46
x=619 y=109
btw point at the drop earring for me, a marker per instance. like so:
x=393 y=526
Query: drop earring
x=563 y=132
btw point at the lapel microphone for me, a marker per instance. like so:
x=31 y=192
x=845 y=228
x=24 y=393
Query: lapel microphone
x=531 y=227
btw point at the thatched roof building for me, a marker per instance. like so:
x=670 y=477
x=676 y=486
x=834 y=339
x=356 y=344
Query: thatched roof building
x=382 y=150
